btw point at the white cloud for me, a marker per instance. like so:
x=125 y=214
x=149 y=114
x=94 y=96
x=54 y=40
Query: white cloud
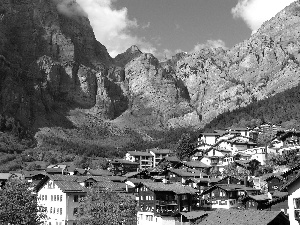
x=209 y=44
x=112 y=27
x=255 y=12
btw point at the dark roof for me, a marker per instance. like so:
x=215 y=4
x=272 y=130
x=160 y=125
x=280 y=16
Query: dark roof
x=138 y=181
x=117 y=178
x=258 y=198
x=229 y=187
x=70 y=186
x=173 y=187
x=140 y=153
x=100 y=172
x=161 y=151
x=171 y=159
x=187 y=172
x=286 y=173
x=194 y=214
x=279 y=194
x=290 y=182
x=243 y=217
x=112 y=186
x=274 y=176
x=239 y=128
x=195 y=164
x=54 y=170
x=277 y=198
x=210 y=134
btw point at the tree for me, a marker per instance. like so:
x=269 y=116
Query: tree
x=289 y=158
x=106 y=207
x=19 y=205
x=184 y=147
x=232 y=170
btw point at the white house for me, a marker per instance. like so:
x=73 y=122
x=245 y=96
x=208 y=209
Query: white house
x=60 y=195
x=293 y=188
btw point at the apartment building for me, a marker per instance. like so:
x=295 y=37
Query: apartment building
x=144 y=159
x=159 y=154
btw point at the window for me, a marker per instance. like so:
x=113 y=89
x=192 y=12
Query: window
x=141 y=197
x=53 y=210
x=61 y=198
x=141 y=216
x=149 y=217
x=184 y=197
x=54 y=197
x=297 y=208
x=75 y=198
x=75 y=210
x=57 y=197
x=50 y=209
x=51 y=197
x=42 y=197
x=60 y=211
x=45 y=197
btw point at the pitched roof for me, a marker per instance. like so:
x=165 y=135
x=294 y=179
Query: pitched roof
x=123 y=161
x=171 y=159
x=229 y=187
x=140 y=153
x=274 y=176
x=194 y=214
x=242 y=217
x=161 y=151
x=186 y=173
x=131 y=174
x=258 y=198
x=174 y=187
x=70 y=186
x=100 y=172
x=290 y=182
x=195 y=164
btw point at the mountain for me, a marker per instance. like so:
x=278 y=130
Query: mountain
x=268 y=63
x=59 y=83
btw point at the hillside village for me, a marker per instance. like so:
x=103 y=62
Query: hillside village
x=194 y=191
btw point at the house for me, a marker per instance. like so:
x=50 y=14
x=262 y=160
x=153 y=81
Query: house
x=144 y=159
x=159 y=154
x=232 y=180
x=159 y=203
x=227 y=196
x=56 y=169
x=243 y=131
x=209 y=138
x=293 y=189
x=279 y=202
x=274 y=181
x=3 y=179
x=34 y=176
x=169 y=162
x=244 y=217
x=122 y=166
x=257 y=202
x=255 y=153
x=198 y=165
x=60 y=195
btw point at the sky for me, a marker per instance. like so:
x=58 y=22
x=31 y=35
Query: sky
x=165 y=27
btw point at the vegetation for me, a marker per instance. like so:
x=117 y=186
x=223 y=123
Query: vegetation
x=282 y=108
x=184 y=147
x=106 y=207
x=18 y=205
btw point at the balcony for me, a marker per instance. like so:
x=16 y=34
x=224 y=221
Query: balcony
x=167 y=212
x=164 y=203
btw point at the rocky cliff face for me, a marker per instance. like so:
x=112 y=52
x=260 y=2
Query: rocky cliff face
x=50 y=63
x=266 y=64
x=53 y=59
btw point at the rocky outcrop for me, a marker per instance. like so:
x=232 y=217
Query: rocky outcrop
x=54 y=59
x=266 y=64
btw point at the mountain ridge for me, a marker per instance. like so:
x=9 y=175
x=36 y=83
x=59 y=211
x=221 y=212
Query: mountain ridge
x=60 y=82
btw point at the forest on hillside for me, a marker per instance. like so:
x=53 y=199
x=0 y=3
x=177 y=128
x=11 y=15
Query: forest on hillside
x=281 y=109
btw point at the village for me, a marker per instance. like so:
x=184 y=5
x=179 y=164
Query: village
x=186 y=192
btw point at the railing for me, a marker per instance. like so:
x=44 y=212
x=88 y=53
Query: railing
x=173 y=202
